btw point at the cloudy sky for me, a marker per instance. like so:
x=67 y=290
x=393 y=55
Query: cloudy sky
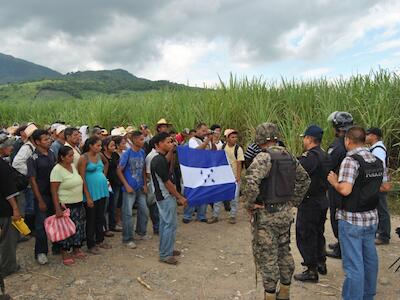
x=195 y=41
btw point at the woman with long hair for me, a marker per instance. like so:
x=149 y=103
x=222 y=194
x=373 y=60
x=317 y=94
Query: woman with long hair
x=93 y=169
x=67 y=192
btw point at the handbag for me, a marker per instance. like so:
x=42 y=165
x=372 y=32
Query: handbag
x=59 y=229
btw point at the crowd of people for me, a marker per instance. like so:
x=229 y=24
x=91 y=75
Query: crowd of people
x=101 y=175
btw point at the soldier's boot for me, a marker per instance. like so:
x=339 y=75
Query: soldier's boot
x=284 y=292
x=309 y=275
x=269 y=296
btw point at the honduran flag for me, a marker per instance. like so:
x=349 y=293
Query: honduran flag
x=207 y=176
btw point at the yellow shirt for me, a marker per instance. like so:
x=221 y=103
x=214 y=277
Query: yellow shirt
x=233 y=161
x=71 y=184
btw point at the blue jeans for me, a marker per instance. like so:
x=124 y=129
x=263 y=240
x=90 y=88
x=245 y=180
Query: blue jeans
x=29 y=208
x=168 y=225
x=234 y=203
x=201 y=212
x=128 y=200
x=360 y=261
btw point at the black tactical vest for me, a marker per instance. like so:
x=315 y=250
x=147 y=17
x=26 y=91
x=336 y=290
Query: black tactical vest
x=278 y=187
x=365 y=193
x=319 y=182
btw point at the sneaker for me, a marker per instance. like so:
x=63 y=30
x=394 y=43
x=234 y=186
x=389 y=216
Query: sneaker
x=232 y=220
x=145 y=237
x=131 y=245
x=333 y=246
x=186 y=221
x=169 y=260
x=309 y=275
x=42 y=259
x=108 y=233
x=203 y=220
x=212 y=220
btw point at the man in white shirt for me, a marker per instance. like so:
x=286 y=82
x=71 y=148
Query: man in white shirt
x=202 y=140
x=151 y=198
x=374 y=139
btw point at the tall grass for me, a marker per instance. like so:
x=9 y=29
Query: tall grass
x=241 y=103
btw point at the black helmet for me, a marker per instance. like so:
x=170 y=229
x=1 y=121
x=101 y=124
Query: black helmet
x=341 y=120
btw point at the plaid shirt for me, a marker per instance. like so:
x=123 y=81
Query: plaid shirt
x=348 y=173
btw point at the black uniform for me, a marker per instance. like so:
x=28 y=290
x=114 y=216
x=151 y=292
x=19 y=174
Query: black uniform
x=337 y=152
x=311 y=215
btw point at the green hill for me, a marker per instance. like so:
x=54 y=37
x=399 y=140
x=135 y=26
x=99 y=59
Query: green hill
x=17 y=70
x=20 y=79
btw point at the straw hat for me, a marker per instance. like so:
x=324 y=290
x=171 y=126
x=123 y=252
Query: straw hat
x=130 y=129
x=162 y=122
x=30 y=129
x=120 y=131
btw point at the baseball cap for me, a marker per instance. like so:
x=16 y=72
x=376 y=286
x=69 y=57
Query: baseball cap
x=228 y=132
x=314 y=131
x=60 y=129
x=6 y=141
x=375 y=130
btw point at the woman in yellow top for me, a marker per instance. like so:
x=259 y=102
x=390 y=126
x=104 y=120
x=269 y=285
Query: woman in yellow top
x=67 y=192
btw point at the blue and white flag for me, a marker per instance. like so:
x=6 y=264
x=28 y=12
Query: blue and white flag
x=207 y=176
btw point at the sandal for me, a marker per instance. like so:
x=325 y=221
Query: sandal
x=67 y=261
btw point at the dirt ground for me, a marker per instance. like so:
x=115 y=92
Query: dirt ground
x=217 y=263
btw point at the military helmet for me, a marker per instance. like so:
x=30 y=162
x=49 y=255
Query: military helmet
x=266 y=132
x=341 y=120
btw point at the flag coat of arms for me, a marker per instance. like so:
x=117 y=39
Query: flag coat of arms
x=207 y=176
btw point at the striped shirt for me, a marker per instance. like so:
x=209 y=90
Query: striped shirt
x=348 y=173
x=251 y=151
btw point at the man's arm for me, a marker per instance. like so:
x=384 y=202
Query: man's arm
x=257 y=171
x=343 y=188
x=19 y=162
x=16 y=213
x=302 y=183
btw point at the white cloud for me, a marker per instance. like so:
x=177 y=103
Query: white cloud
x=315 y=73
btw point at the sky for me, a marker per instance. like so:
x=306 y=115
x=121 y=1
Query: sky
x=196 y=42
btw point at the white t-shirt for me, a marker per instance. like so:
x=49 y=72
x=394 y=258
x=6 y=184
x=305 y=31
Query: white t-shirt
x=149 y=158
x=379 y=152
x=195 y=142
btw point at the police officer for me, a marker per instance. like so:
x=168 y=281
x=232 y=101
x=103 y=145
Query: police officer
x=311 y=214
x=275 y=182
x=341 y=121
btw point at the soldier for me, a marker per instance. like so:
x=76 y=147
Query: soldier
x=341 y=121
x=275 y=182
x=311 y=215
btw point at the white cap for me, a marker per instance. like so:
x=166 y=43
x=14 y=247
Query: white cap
x=60 y=129
x=120 y=131
x=54 y=126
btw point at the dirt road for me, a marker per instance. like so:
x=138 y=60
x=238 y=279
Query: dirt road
x=217 y=263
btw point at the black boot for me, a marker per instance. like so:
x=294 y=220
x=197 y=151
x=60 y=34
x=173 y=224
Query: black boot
x=309 y=275
x=322 y=268
x=335 y=253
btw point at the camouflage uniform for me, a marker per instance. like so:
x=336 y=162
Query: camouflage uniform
x=271 y=231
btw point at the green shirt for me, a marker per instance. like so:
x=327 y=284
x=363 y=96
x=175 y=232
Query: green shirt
x=71 y=184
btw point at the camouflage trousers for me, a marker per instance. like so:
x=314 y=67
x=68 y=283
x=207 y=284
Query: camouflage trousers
x=271 y=248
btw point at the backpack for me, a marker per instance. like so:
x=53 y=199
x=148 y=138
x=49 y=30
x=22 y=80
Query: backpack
x=386 y=154
x=235 y=151
x=21 y=180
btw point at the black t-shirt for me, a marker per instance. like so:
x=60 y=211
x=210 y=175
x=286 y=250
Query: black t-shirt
x=160 y=175
x=8 y=189
x=113 y=162
x=40 y=166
